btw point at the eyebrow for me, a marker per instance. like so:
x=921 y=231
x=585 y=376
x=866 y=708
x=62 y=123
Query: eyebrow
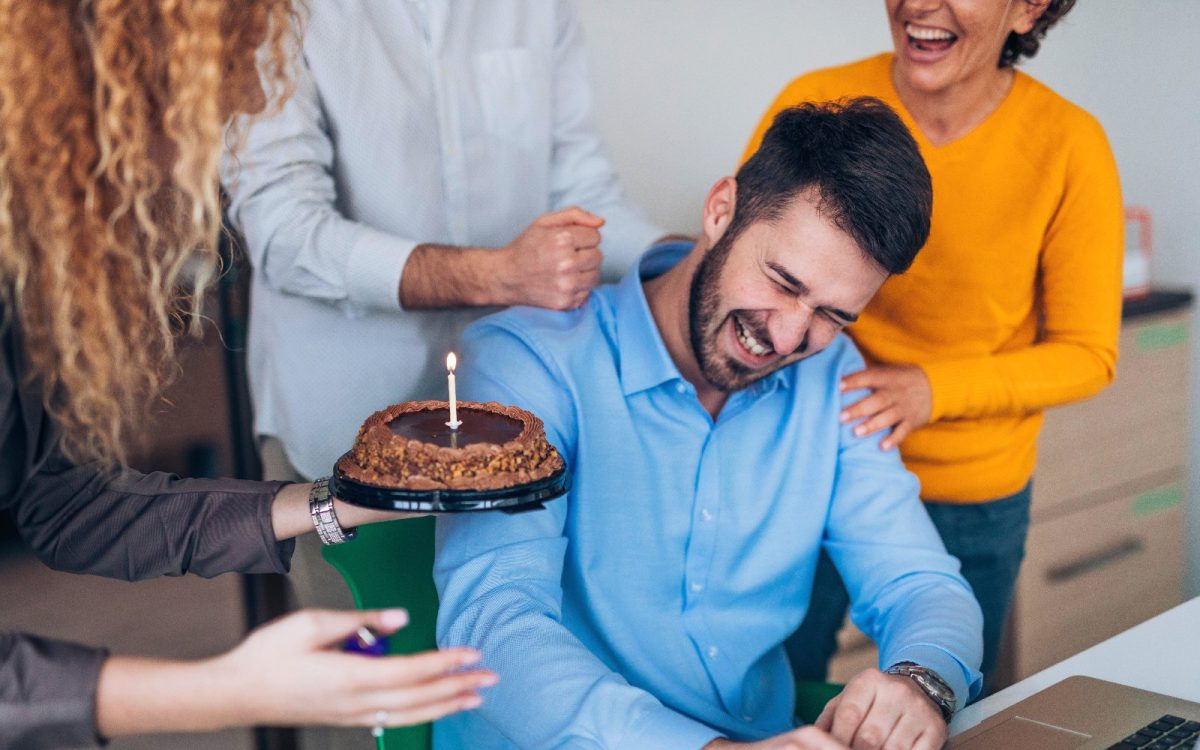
x=803 y=289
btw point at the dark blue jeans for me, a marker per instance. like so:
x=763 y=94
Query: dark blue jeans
x=987 y=538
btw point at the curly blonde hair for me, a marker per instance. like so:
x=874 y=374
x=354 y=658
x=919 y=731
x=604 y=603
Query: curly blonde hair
x=112 y=115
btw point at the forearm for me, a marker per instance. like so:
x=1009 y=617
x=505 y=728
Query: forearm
x=1032 y=379
x=585 y=701
x=138 y=696
x=443 y=276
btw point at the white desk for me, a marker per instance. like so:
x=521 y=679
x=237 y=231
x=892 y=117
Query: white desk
x=1162 y=654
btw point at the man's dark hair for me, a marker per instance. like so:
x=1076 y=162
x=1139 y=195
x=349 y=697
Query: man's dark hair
x=863 y=165
x=1017 y=45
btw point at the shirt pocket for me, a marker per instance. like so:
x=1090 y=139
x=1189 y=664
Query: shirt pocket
x=514 y=96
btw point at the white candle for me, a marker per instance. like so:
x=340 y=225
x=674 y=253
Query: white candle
x=451 y=363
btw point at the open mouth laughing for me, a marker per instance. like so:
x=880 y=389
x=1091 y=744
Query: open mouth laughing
x=749 y=342
x=929 y=38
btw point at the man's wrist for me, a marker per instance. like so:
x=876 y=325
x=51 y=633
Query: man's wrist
x=931 y=684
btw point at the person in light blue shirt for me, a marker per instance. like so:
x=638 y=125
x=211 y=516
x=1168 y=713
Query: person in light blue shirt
x=697 y=403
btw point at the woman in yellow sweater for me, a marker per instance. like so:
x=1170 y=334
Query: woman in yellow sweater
x=1011 y=307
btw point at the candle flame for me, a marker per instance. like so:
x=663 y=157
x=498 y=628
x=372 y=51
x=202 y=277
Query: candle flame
x=451 y=361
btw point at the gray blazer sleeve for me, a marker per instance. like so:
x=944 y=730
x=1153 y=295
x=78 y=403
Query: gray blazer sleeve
x=135 y=526
x=47 y=693
x=119 y=523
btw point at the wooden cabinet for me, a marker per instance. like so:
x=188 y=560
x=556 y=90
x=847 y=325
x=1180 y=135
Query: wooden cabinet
x=1106 y=540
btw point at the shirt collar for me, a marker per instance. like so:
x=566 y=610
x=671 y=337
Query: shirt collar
x=644 y=360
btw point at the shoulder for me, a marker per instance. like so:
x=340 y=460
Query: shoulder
x=555 y=338
x=1058 y=117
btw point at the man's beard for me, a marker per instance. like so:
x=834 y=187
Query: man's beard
x=704 y=304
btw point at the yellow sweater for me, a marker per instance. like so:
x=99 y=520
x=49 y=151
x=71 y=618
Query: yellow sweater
x=1014 y=304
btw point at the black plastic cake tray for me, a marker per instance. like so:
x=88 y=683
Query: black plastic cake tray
x=515 y=499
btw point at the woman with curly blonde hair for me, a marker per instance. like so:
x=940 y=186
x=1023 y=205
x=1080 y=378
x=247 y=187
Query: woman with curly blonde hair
x=112 y=117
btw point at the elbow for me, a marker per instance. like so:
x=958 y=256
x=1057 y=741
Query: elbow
x=1105 y=368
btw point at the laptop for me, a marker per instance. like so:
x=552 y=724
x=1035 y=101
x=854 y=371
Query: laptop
x=1083 y=713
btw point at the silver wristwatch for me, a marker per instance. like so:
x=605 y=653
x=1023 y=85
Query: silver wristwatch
x=929 y=682
x=320 y=507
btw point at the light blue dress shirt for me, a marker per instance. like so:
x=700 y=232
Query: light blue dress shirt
x=448 y=121
x=647 y=608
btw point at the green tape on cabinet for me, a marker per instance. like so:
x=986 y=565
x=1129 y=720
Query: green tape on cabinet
x=1157 y=500
x=1162 y=336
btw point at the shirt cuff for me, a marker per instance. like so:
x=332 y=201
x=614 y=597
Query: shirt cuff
x=660 y=727
x=965 y=682
x=950 y=386
x=48 y=692
x=373 y=272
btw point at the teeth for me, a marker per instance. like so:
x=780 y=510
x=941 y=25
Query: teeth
x=926 y=34
x=749 y=341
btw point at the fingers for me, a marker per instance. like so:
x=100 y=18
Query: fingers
x=450 y=693
x=899 y=432
x=868 y=378
x=867 y=407
x=568 y=216
x=852 y=709
x=812 y=738
x=589 y=259
x=577 y=237
x=394 y=671
x=824 y=722
x=428 y=712
x=905 y=733
x=886 y=419
x=933 y=738
x=877 y=728
x=319 y=628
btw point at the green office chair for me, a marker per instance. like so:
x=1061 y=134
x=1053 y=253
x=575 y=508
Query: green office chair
x=391 y=565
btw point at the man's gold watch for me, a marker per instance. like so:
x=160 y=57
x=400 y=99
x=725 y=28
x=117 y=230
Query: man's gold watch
x=929 y=682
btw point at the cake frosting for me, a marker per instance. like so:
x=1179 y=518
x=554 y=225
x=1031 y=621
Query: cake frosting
x=408 y=446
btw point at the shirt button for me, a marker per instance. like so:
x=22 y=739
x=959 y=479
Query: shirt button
x=747 y=717
x=706 y=514
x=697 y=587
x=713 y=652
x=681 y=388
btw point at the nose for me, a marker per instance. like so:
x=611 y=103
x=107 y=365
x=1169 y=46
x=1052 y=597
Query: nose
x=790 y=329
x=922 y=6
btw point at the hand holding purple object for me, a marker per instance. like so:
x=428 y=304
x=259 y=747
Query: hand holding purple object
x=366 y=641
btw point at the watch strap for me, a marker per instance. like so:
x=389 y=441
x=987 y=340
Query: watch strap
x=325 y=521
x=930 y=683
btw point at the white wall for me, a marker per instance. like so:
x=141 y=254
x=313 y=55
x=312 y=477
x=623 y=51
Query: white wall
x=680 y=83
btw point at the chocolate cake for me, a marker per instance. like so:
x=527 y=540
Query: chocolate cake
x=408 y=446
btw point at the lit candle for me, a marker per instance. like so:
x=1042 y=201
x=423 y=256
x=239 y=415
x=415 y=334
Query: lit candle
x=451 y=363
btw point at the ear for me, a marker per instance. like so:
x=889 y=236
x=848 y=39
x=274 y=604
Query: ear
x=718 y=209
x=1027 y=13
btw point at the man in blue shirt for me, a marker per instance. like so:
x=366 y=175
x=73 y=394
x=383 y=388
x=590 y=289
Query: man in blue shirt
x=697 y=403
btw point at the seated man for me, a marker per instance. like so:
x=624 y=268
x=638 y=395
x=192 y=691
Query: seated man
x=697 y=403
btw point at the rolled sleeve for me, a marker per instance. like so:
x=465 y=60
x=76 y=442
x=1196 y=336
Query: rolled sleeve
x=375 y=266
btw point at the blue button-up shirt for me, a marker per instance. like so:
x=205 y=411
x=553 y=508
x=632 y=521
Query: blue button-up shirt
x=647 y=608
